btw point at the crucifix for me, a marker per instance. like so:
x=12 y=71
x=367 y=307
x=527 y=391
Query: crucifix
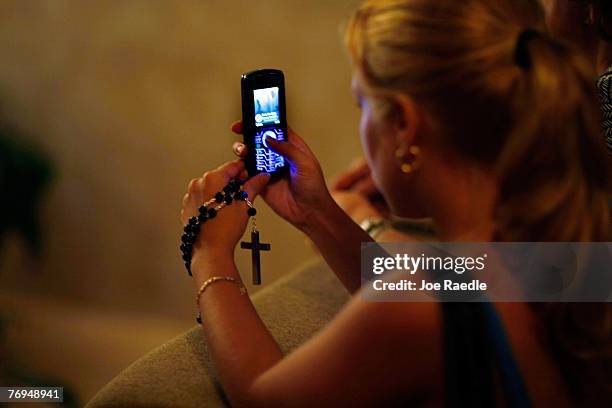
x=255 y=246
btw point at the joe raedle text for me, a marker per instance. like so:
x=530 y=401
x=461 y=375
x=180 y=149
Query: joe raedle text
x=423 y=264
x=423 y=285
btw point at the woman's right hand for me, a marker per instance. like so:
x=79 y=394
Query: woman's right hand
x=304 y=194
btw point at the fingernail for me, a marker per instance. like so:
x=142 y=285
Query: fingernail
x=238 y=149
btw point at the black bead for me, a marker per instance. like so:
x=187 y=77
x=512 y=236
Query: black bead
x=241 y=195
x=187 y=228
x=202 y=218
x=202 y=209
x=219 y=197
x=184 y=247
x=212 y=213
x=228 y=189
x=186 y=257
x=251 y=211
x=188 y=267
x=228 y=199
x=193 y=220
x=185 y=238
x=195 y=229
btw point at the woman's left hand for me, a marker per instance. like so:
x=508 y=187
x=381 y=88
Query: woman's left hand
x=220 y=235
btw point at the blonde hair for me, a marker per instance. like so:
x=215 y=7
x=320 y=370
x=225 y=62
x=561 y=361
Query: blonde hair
x=537 y=126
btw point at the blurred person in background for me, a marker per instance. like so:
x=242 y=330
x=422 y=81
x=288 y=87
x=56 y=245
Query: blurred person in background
x=588 y=25
x=457 y=123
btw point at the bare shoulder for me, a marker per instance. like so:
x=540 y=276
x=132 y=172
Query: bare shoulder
x=408 y=336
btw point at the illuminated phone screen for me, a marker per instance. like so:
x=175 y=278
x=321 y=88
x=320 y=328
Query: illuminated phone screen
x=267 y=121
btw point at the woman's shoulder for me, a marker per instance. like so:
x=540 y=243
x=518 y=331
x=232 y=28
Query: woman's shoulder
x=412 y=332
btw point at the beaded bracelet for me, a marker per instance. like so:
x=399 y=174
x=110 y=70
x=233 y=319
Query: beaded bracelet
x=230 y=193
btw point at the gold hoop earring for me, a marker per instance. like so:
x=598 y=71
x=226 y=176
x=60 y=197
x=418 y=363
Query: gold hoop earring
x=408 y=164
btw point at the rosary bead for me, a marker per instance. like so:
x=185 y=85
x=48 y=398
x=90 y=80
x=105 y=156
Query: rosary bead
x=227 y=189
x=187 y=228
x=183 y=247
x=195 y=229
x=228 y=199
x=251 y=211
x=193 y=220
x=219 y=197
x=202 y=209
x=241 y=195
x=186 y=257
x=212 y=213
x=185 y=238
x=202 y=217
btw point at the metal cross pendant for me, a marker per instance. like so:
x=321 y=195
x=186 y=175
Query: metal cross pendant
x=255 y=246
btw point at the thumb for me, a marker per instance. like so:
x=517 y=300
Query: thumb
x=255 y=184
x=287 y=150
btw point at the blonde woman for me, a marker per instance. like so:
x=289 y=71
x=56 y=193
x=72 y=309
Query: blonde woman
x=473 y=114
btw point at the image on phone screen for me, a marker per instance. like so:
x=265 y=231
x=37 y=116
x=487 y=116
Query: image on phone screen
x=267 y=123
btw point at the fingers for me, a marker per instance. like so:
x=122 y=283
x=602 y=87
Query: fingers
x=186 y=199
x=194 y=190
x=287 y=149
x=366 y=187
x=240 y=149
x=237 y=127
x=358 y=170
x=297 y=140
x=230 y=170
x=256 y=184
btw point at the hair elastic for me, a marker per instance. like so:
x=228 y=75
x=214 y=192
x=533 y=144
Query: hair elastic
x=522 y=58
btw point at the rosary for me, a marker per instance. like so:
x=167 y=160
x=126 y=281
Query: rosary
x=207 y=211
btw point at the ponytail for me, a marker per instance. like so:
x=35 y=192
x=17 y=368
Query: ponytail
x=564 y=200
x=555 y=178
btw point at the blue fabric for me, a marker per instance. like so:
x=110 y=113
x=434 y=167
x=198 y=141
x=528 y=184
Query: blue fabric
x=515 y=390
x=476 y=348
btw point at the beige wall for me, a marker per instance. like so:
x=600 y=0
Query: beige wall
x=131 y=99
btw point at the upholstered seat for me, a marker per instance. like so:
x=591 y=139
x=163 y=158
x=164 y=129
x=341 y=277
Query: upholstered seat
x=180 y=374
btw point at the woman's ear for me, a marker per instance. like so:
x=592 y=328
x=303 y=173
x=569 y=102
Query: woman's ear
x=407 y=120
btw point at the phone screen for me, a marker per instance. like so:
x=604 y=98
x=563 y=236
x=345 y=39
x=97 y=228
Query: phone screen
x=268 y=125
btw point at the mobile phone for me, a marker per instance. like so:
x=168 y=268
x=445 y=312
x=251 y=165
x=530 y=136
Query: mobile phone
x=264 y=116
